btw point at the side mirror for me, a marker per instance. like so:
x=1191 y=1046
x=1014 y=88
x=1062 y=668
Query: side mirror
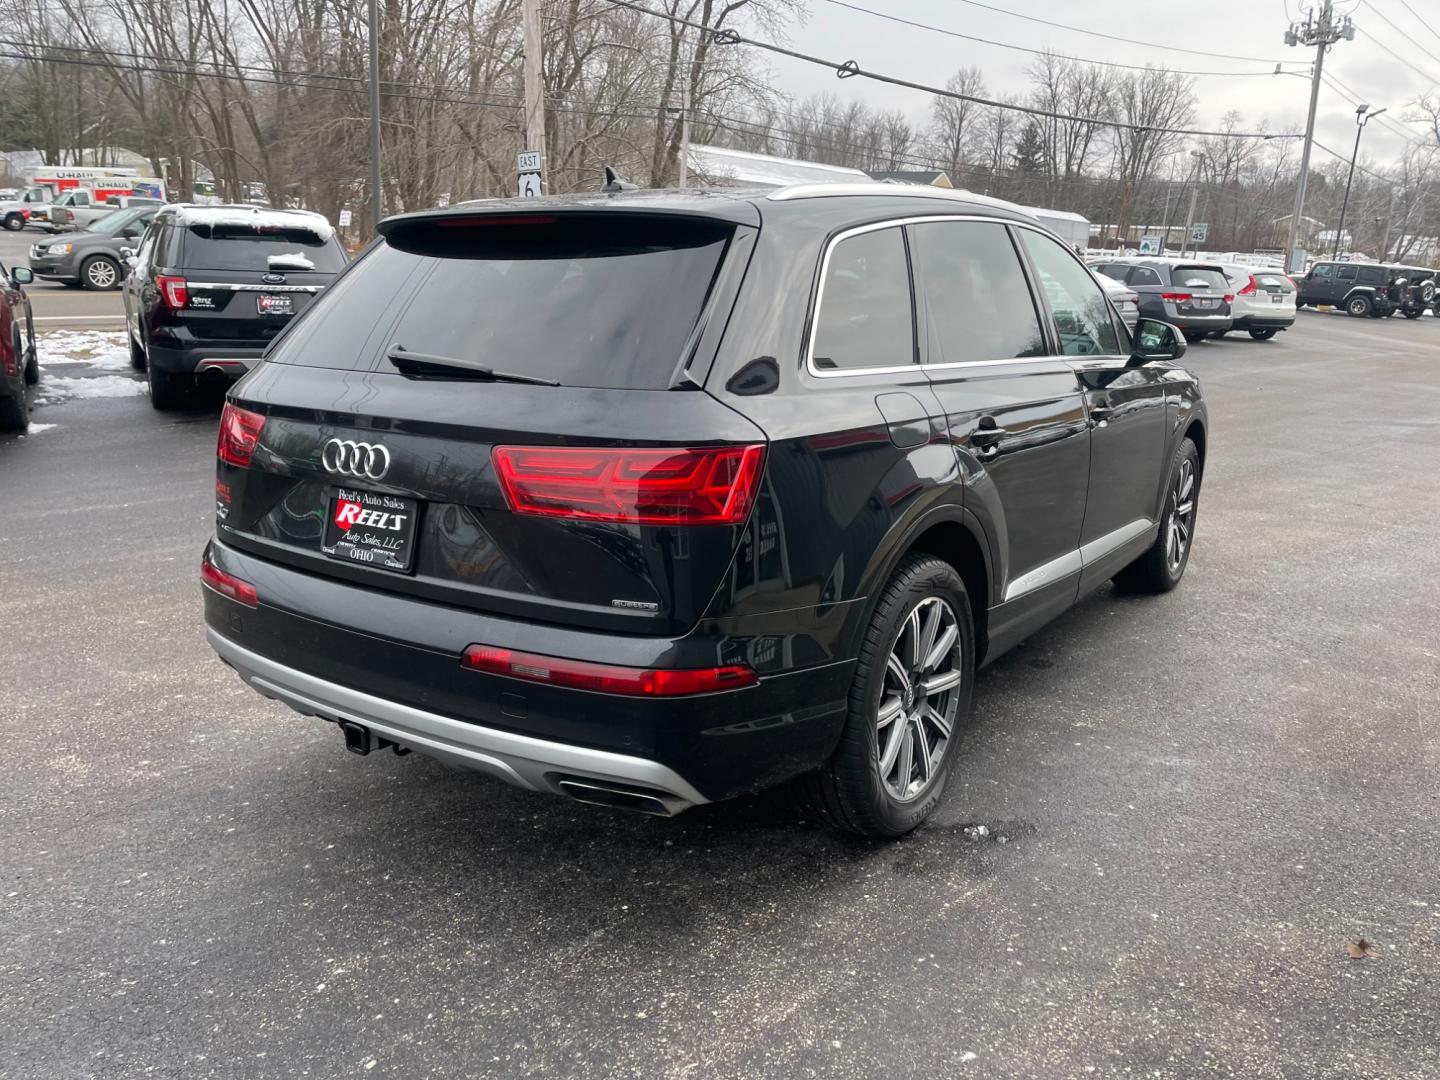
x=22 y=275
x=1156 y=340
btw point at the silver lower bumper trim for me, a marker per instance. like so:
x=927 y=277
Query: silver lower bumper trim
x=527 y=762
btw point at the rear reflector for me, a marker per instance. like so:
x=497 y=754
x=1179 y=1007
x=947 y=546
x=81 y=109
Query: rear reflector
x=239 y=432
x=714 y=486
x=242 y=592
x=173 y=289
x=606 y=678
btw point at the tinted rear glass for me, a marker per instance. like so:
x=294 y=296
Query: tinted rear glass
x=246 y=247
x=1188 y=275
x=1274 y=281
x=587 y=300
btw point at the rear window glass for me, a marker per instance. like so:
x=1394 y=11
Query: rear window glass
x=1274 y=281
x=1190 y=275
x=586 y=300
x=248 y=247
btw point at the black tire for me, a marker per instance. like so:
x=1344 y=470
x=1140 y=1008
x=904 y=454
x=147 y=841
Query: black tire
x=1157 y=571
x=1262 y=335
x=169 y=390
x=848 y=792
x=14 y=222
x=101 y=273
x=1193 y=336
x=32 y=365
x=14 y=413
x=1359 y=307
x=1412 y=313
x=1218 y=334
x=137 y=354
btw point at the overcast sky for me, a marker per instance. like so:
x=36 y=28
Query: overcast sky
x=1236 y=28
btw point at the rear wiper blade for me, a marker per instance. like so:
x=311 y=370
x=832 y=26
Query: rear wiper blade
x=417 y=363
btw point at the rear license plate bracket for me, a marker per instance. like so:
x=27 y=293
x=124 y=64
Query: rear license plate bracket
x=370 y=529
x=275 y=304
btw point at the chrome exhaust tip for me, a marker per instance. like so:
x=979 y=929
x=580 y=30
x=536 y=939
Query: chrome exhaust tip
x=621 y=796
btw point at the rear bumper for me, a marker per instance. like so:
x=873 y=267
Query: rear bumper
x=392 y=663
x=536 y=764
x=1263 y=322
x=232 y=361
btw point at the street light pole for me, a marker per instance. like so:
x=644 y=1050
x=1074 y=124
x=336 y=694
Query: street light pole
x=1363 y=116
x=1321 y=33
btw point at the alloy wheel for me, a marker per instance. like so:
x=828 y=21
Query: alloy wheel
x=1180 y=521
x=101 y=274
x=918 y=700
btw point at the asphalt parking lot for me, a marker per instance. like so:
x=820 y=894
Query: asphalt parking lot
x=1191 y=804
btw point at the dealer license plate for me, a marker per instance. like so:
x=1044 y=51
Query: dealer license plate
x=269 y=304
x=370 y=529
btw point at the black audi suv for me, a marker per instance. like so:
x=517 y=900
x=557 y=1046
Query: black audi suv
x=653 y=499
x=210 y=287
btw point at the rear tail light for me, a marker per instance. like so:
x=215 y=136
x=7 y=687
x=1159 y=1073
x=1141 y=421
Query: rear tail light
x=606 y=678
x=1229 y=298
x=237 y=589
x=1177 y=296
x=173 y=289
x=239 y=433
x=714 y=486
x=1249 y=287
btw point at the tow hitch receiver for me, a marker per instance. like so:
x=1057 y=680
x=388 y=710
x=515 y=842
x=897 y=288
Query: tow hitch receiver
x=358 y=738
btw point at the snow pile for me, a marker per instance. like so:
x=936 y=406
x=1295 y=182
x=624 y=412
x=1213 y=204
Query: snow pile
x=54 y=387
x=103 y=349
x=37 y=429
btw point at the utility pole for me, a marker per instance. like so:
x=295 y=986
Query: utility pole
x=377 y=191
x=1199 y=156
x=1363 y=116
x=534 y=81
x=685 y=124
x=1322 y=33
x=1389 y=219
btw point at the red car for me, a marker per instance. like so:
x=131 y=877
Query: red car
x=19 y=367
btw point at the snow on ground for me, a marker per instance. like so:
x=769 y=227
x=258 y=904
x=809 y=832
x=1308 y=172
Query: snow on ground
x=103 y=349
x=61 y=388
x=37 y=429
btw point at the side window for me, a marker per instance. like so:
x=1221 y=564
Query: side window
x=1143 y=275
x=978 y=303
x=866 y=317
x=1082 y=315
x=1345 y=273
x=1323 y=270
x=168 y=239
x=1372 y=275
x=146 y=249
x=1114 y=270
x=82 y=198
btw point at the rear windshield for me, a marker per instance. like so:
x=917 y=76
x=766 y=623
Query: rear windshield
x=1274 y=281
x=248 y=247
x=1199 y=277
x=586 y=300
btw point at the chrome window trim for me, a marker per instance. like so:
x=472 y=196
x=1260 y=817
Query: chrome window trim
x=231 y=286
x=1072 y=562
x=895 y=369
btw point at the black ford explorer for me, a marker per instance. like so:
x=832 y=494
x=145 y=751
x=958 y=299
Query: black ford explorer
x=210 y=287
x=653 y=499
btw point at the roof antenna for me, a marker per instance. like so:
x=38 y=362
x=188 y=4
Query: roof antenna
x=614 y=183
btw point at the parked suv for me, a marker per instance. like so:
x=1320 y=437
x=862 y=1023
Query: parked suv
x=212 y=286
x=1368 y=289
x=19 y=366
x=652 y=499
x=92 y=258
x=1264 y=303
x=1188 y=294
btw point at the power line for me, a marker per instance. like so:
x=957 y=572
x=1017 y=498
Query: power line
x=1022 y=48
x=1402 y=33
x=850 y=68
x=1418 y=71
x=1418 y=19
x=1383 y=119
x=1115 y=37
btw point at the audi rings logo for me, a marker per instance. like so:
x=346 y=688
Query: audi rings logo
x=362 y=460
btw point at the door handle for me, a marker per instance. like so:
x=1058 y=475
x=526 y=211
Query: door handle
x=987 y=434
